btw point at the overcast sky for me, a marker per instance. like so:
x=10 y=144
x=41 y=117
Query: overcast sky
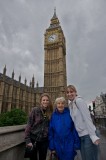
x=22 y=27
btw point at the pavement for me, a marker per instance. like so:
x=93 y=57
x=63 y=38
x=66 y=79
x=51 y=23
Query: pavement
x=102 y=147
x=102 y=144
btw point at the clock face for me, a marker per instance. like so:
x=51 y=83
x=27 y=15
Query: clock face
x=52 y=38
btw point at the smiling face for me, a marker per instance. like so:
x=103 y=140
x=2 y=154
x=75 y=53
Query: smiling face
x=60 y=103
x=60 y=106
x=71 y=94
x=44 y=102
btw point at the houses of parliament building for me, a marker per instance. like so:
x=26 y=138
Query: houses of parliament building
x=14 y=94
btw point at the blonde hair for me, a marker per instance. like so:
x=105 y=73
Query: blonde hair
x=60 y=99
x=71 y=87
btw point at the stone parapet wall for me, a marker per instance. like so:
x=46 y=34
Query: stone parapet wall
x=12 y=142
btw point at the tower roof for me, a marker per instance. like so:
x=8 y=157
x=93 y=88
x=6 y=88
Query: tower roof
x=54 y=21
x=54 y=16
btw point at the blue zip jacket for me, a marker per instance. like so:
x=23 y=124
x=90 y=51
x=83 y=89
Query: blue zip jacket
x=63 y=137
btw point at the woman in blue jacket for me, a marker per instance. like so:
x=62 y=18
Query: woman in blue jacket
x=63 y=137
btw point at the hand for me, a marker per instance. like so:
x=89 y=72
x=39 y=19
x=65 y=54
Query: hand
x=29 y=145
x=97 y=142
x=53 y=151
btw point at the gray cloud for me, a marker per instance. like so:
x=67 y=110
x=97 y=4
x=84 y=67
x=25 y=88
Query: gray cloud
x=22 y=27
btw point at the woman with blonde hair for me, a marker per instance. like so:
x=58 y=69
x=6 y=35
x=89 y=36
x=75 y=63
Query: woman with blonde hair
x=83 y=123
x=36 y=132
x=63 y=137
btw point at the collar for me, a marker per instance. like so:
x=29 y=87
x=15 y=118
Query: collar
x=70 y=102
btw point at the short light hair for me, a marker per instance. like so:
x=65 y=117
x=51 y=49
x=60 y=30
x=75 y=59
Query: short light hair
x=60 y=99
x=72 y=87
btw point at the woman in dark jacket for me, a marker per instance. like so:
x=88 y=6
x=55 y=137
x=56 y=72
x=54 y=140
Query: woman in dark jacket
x=63 y=138
x=37 y=128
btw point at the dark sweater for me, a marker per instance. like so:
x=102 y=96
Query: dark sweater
x=36 y=117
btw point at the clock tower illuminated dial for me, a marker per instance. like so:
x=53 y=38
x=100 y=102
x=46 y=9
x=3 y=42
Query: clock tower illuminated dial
x=52 y=38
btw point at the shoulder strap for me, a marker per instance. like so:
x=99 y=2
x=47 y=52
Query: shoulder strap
x=92 y=117
x=79 y=110
x=76 y=105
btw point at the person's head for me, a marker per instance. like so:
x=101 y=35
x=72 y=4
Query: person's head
x=71 y=92
x=60 y=103
x=46 y=103
x=44 y=100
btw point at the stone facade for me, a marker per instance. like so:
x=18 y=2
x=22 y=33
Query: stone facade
x=55 y=79
x=14 y=94
x=100 y=106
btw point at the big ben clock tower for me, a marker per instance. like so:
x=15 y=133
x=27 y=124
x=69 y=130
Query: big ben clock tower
x=55 y=79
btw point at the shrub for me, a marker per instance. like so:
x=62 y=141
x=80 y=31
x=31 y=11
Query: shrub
x=13 y=117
